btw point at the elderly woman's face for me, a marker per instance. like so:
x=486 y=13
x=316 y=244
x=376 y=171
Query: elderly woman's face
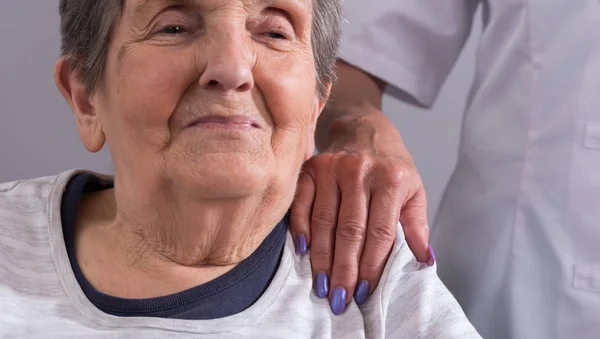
x=216 y=93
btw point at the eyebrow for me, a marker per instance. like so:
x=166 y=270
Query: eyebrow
x=146 y=5
x=142 y=12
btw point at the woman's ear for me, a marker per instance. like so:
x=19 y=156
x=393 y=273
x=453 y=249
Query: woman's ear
x=68 y=81
x=319 y=104
x=322 y=101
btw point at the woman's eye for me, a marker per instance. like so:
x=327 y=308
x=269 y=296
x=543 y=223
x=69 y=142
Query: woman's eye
x=275 y=35
x=174 y=30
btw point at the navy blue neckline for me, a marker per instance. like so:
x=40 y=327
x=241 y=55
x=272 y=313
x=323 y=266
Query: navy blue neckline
x=226 y=295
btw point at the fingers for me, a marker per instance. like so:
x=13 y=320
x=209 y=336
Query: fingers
x=380 y=236
x=353 y=203
x=413 y=218
x=323 y=225
x=350 y=235
x=301 y=211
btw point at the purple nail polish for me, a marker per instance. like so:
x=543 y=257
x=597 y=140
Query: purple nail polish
x=338 y=300
x=301 y=244
x=431 y=260
x=322 y=285
x=362 y=292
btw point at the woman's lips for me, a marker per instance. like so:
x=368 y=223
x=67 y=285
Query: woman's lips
x=226 y=122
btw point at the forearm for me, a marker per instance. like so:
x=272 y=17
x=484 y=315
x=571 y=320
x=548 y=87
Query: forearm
x=355 y=96
x=353 y=118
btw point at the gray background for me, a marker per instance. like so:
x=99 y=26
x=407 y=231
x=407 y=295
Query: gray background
x=38 y=135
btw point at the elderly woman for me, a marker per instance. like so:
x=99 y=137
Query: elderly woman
x=209 y=109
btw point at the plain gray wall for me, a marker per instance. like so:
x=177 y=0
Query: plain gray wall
x=37 y=130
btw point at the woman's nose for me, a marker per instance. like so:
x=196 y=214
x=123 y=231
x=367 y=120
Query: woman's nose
x=229 y=67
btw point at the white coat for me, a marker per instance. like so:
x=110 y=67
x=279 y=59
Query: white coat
x=517 y=235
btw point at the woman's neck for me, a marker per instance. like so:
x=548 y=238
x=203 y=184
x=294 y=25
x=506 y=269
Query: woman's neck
x=167 y=246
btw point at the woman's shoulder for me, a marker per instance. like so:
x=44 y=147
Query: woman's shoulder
x=22 y=198
x=31 y=232
x=412 y=301
x=27 y=208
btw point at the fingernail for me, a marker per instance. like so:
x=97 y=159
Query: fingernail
x=301 y=244
x=362 y=292
x=322 y=285
x=338 y=301
x=431 y=260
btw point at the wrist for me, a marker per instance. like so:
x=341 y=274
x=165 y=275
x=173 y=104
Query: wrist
x=341 y=121
x=363 y=128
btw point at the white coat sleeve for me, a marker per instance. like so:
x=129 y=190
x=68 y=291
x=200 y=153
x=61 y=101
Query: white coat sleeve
x=410 y=44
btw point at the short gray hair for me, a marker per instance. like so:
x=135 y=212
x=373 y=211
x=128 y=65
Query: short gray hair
x=87 y=27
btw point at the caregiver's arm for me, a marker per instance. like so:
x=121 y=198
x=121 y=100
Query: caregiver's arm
x=351 y=196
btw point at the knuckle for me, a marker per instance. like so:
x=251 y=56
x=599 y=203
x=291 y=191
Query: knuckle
x=383 y=233
x=323 y=218
x=416 y=214
x=395 y=177
x=348 y=157
x=300 y=209
x=315 y=163
x=297 y=215
x=359 y=158
x=301 y=202
x=352 y=174
x=371 y=272
x=362 y=161
x=393 y=171
x=346 y=271
x=321 y=256
x=304 y=179
x=354 y=169
x=312 y=160
x=418 y=202
x=351 y=231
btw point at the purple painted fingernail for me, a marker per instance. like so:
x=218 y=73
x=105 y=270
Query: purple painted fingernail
x=362 y=292
x=338 y=300
x=322 y=285
x=431 y=260
x=301 y=244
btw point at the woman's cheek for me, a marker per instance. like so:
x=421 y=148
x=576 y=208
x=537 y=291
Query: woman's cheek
x=161 y=77
x=153 y=88
x=289 y=95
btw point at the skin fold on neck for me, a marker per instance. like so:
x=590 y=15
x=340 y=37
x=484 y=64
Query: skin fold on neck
x=177 y=246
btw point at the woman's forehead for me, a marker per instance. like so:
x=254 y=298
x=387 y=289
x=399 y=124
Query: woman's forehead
x=143 y=6
x=140 y=12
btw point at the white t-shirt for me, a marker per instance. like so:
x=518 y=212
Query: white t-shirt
x=41 y=298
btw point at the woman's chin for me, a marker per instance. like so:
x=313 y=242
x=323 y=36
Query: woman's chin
x=229 y=180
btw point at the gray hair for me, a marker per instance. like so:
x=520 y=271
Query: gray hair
x=87 y=26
